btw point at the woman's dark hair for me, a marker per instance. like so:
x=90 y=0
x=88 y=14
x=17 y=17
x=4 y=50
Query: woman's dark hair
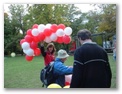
x=51 y=45
x=84 y=34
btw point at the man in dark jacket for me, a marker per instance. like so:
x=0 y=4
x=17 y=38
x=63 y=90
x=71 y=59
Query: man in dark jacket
x=60 y=70
x=91 y=67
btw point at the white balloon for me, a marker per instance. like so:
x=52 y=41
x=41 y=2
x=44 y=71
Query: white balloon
x=68 y=30
x=13 y=54
x=41 y=27
x=68 y=78
x=53 y=37
x=60 y=32
x=30 y=52
x=25 y=51
x=47 y=40
x=48 y=26
x=25 y=45
x=35 y=32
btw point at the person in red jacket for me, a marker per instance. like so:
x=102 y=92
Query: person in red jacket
x=49 y=54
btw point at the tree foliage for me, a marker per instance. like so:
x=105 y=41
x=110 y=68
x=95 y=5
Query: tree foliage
x=108 y=15
x=13 y=23
x=102 y=19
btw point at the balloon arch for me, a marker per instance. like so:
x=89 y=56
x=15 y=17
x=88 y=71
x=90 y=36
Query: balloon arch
x=47 y=33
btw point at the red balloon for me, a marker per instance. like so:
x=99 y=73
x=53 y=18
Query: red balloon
x=61 y=26
x=35 y=26
x=29 y=32
x=59 y=39
x=33 y=45
x=54 y=27
x=29 y=58
x=36 y=39
x=67 y=83
x=41 y=36
x=37 y=52
x=66 y=39
x=47 y=32
x=28 y=38
x=21 y=41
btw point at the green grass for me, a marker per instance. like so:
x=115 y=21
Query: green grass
x=19 y=73
x=113 y=69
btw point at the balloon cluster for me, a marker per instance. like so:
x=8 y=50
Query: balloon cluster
x=47 y=33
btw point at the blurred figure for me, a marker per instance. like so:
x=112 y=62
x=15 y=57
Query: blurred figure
x=114 y=47
x=114 y=51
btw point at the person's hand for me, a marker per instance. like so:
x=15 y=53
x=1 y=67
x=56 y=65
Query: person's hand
x=42 y=43
x=70 y=66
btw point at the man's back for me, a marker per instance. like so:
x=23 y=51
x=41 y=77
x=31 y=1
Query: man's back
x=92 y=67
x=90 y=51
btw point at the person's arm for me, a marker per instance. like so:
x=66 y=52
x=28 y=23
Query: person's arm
x=42 y=49
x=77 y=75
x=61 y=69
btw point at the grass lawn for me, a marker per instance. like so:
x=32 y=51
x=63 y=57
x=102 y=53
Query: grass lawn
x=19 y=73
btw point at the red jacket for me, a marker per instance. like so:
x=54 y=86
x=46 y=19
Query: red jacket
x=48 y=57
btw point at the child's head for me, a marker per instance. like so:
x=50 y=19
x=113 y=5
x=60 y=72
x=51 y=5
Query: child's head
x=62 y=54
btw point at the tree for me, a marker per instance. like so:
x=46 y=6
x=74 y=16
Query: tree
x=108 y=22
x=100 y=20
x=47 y=13
x=12 y=25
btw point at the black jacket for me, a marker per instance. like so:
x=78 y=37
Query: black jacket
x=91 y=67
